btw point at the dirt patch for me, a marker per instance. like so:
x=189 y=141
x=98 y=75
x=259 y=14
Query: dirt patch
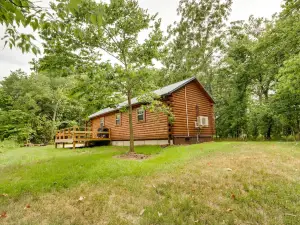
x=133 y=156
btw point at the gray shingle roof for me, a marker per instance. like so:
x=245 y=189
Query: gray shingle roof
x=160 y=92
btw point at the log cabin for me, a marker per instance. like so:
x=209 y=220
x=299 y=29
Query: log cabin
x=192 y=108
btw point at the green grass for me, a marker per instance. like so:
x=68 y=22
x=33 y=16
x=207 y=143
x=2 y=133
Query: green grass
x=34 y=170
x=176 y=185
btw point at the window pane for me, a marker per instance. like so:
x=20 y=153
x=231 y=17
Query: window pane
x=141 y=112
x=118 y=119
x=141 y=117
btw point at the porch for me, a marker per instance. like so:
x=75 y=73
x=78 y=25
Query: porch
x=80 y=135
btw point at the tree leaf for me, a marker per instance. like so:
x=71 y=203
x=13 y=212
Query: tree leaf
x=74 y=4
x=93 y=19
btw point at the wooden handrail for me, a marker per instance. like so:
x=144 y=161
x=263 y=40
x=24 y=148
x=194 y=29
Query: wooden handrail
x=81 y=132
x=71 y=132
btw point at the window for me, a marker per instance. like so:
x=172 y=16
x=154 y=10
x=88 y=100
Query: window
x=141 y=115
x=118 y=119
x=202 y=121
x=101 y=122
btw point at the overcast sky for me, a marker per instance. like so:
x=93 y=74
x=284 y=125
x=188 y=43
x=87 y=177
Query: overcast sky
x=11 y=60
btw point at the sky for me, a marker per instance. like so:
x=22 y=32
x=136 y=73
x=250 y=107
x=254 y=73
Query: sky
x=11 y=60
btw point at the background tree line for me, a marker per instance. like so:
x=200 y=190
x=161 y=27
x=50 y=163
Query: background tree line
x=251 y=68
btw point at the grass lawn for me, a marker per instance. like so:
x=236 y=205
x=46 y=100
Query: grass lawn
x=211 y=183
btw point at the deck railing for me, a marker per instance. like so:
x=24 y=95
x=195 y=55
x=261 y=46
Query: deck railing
x=80 y=134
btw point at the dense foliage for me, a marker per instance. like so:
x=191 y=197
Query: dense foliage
x=93 y=58
x=258 y=77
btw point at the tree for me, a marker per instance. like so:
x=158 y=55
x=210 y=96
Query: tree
x=26 y=13
x=232 y=81
x=195 y=41
x=279 y=41
x=16 y=13
x=115 y=35
x=254 y=52
x=34 y=105
x=287 y=98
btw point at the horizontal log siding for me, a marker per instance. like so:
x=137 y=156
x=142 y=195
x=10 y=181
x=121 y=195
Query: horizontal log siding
x=195 y=95
x=155 y=127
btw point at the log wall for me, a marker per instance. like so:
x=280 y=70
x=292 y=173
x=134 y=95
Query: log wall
x=195 y=96
x=155 y=126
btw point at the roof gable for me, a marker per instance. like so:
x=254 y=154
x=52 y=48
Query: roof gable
x=164 y=91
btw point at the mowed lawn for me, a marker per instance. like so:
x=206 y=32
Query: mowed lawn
x=211 y=183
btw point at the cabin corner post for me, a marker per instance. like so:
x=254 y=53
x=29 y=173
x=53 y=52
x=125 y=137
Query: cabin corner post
x=170 y=123
x=186 y=112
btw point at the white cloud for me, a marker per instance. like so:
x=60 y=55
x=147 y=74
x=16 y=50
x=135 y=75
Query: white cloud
x=166 y=9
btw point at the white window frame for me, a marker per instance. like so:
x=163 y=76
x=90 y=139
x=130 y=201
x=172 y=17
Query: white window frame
x=102 y=120
x=203 y=121
x=118 y=114
x=139 y=113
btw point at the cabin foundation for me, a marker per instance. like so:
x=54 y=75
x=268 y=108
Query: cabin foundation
x=186 y=140
x=142 y=142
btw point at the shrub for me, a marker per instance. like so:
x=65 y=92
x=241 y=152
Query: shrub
x=260 y=138
x=290 y=138
x=8 y=144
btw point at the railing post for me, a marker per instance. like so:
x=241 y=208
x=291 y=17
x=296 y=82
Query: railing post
x=74 y=137
x=85 y=129
x=109 y=133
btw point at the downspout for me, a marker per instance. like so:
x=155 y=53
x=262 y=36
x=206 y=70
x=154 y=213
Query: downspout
x=186 y=111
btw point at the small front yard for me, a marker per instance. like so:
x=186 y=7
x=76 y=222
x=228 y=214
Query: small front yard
x=212 y=183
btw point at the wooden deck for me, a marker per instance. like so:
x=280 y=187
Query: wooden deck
x=80 y=135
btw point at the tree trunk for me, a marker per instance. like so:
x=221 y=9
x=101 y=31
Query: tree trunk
x=55 y=112
x=260 y=99
x=130 y=122
x=54 y=119
x=298 y=125
x=266 y=94
x=268 y=134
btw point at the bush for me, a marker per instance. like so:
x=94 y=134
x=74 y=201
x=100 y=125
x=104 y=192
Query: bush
x=260 y=138
x=8 y=144
x=290 y=138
